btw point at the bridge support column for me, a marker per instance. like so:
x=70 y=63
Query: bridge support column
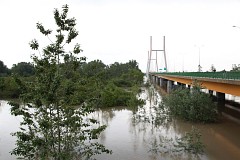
x=161 y=82
x=210 y=92
x=165 y=83
x=157 y=81
x=220 y=98
x=169 y=86
x=153 y=79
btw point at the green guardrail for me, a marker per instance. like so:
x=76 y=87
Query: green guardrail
x=219 y=75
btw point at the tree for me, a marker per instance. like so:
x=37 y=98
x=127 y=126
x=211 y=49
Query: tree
x=4 y=71
x=23 y=69
x=133 y=64
x=212 y=69
x=235 y=68
x=94 y=68
x=192 y=105
x=53 y=128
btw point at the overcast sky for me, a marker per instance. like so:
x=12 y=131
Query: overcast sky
x=119 y=30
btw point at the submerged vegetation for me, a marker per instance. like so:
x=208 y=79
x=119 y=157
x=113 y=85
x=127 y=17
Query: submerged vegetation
x=192 y=104
x=189 y=143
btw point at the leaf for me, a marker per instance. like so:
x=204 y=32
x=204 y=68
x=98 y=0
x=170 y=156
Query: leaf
x=34 y=44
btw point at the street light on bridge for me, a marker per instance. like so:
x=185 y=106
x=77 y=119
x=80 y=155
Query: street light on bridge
x=199 y=59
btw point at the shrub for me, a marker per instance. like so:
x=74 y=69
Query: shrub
x=192 y=105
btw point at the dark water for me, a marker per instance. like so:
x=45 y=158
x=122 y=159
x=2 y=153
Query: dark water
x=132 y=140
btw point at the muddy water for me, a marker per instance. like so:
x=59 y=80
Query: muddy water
x=8 y=124
x=133 y=140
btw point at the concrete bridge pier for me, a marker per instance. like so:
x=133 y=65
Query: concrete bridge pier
x=220 y=98
x=169 y=86
x=165 y=83
x=210 y=92
x=161 y=82
x=153 y=79
x=157 y=81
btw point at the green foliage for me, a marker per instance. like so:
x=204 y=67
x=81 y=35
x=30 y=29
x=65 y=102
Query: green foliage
x=192 y=105
x=91 y=78
x=125 y=75
x=52 y=127
x=2 y=85
x=4 y=71
x=114 y=96
x=118 y=69
x=8 y=88
x=96 y=69
x=105 y=88
x=23 y=69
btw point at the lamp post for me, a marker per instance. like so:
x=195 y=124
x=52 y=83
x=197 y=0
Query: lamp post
x=234 y=66
x=199 y=58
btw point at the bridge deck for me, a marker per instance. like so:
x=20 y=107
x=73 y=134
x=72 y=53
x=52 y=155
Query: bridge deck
x=228 y=86
x=214 y=75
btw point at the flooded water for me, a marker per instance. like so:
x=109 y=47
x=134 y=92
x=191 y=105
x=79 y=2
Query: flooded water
x=131 y=139
x=8 y=124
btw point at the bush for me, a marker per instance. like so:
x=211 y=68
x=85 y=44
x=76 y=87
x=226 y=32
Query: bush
x=8 y=88
x=191 y=105
x=114 y=96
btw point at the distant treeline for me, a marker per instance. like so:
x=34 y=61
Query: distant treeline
x=24 y=69
x=106 y=85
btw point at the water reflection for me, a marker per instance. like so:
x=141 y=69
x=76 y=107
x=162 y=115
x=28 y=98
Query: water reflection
x=130 y=135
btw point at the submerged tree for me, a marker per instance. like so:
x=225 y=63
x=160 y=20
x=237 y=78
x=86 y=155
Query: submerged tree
x=52 y=127
x=192 y=105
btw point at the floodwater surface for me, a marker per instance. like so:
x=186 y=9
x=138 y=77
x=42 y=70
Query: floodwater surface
x=130 y=139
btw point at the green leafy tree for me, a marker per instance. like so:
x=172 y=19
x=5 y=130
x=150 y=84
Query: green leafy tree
x=53 y=128
x=8 y=88
x=4 y=71
x=133 y=64
x=95 y=69
x=2 y=86
x=23 y=69
x=126 y=74
x=192 y=105
x=213 y=68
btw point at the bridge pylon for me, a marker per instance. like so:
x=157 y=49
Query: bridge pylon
x=155 y=59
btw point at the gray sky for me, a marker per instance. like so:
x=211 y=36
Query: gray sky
x=119 y=30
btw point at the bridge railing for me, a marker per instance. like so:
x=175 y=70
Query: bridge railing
x=216 y=75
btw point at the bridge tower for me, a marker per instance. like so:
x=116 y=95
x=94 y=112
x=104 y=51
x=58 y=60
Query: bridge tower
x=155 y=58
